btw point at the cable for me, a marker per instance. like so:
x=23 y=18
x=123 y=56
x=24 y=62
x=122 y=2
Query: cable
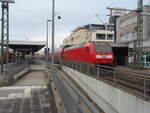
x=147 y=2
x=100 y=18
x=114 y=2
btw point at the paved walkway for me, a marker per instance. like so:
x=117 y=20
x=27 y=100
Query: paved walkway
x=29 y=95
x=33 y=78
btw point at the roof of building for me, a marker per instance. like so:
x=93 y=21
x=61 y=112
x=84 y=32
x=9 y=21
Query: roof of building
x=26 y=46
x=94 y=27
x=134 y=12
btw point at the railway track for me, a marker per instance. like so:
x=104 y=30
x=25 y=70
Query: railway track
x=133 y=82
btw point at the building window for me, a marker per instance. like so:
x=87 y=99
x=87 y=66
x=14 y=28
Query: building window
x=128 y=21
x=134 y=35
x=100 y=36
x=72 y=39
x=98 y=27
x=134 y=19
x=147 y=59
x=110 y=27
x=109 y=37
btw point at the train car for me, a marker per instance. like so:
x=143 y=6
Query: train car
x=5 y=54
x=57 y=56
x=91 y=52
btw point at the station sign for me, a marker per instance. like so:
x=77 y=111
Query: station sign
x=46 y=50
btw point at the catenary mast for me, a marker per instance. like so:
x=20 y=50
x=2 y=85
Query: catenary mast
x=138 y=42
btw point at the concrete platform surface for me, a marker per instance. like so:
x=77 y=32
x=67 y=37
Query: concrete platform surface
x=30 y=94
x=27 y=99
x=33 y=78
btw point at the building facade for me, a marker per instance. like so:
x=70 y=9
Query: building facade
x=127 y=26
x=127 y=33
x=91 y=32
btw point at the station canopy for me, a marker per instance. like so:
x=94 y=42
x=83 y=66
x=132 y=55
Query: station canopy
x=26 y=46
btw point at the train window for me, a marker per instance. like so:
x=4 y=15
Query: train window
x=103 y=48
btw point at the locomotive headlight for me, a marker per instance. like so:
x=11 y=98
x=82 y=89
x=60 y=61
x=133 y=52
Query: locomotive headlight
x=109 y=56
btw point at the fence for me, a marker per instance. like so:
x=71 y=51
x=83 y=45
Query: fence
x=12 y=69
x=73 y=99
x=133 y=82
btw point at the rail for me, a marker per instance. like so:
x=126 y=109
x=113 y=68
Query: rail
x=130 y=81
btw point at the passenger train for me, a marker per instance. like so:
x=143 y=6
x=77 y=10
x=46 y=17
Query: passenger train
x=90 y=52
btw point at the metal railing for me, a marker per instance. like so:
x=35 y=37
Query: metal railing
x=130 y=81
x=71 y=95
x=12 y=69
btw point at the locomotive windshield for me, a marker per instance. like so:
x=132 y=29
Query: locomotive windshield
x=103 y=48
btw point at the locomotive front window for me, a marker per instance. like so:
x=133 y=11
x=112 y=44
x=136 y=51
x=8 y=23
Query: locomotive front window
x=103 y=48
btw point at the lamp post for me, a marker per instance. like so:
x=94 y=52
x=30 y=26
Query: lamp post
x=53 y=31
x=47 y=50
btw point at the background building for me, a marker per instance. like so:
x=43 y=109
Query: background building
x=127 y=33
x=127 y=26
x=113 y=20
x=91 y=32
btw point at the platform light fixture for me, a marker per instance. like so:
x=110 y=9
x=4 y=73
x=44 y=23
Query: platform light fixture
x=53 y=31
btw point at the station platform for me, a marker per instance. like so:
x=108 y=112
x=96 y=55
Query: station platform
x=72 y=88
x=30 y=94
x=27 y=99
x=43 y=90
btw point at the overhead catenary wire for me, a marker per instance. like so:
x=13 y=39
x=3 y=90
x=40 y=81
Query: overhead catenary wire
x=100 y=18
x=115 y=2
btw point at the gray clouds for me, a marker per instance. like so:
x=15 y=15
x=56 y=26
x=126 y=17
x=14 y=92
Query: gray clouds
x=28 y=17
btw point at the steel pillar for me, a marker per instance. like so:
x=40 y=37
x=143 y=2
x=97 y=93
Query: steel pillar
x=5 y=30
x=138 y=42
x=47 y=52
x=53 y=31
x=47 y=40
x=5 y=33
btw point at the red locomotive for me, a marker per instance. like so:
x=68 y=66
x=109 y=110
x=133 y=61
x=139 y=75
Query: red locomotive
x=90 y=52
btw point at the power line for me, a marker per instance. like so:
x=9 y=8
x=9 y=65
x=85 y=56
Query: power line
x=100 y=18
x=115 y=2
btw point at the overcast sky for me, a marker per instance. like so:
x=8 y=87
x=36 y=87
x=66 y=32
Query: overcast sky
x=28 y=17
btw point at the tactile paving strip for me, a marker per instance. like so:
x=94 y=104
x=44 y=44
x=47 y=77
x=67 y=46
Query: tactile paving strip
x=34 y=100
